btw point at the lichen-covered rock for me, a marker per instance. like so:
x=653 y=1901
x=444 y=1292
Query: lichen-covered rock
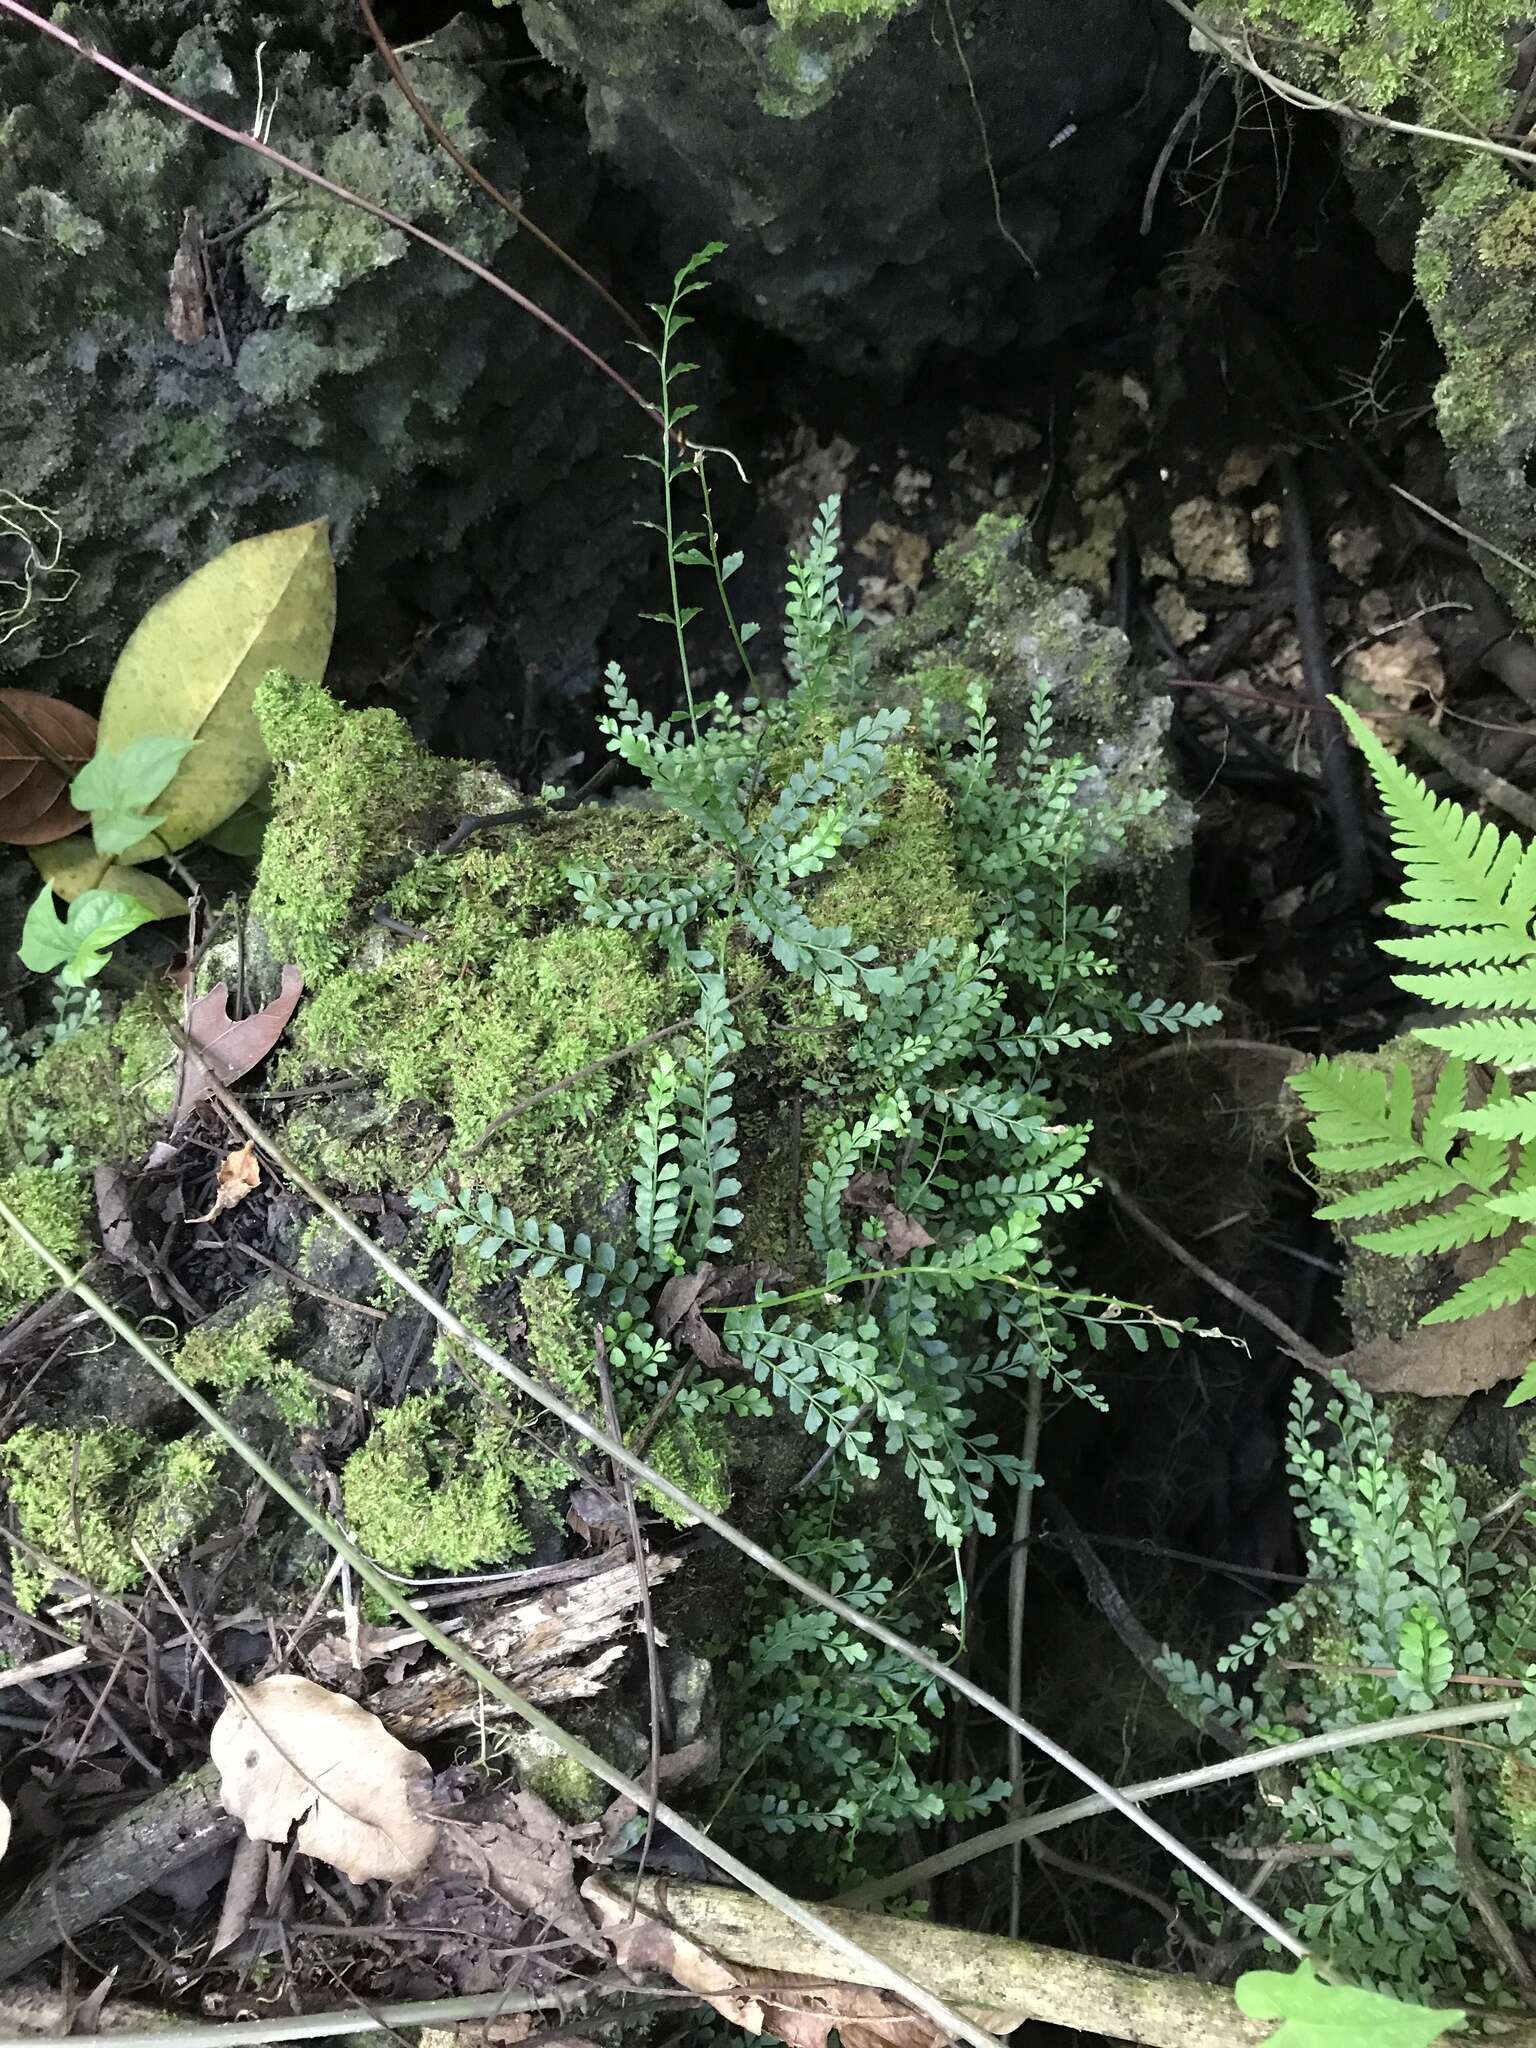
x=846 y=150
x=345 y=372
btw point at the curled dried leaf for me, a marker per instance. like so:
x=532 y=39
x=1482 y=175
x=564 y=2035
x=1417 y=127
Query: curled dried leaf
x=291 y=1755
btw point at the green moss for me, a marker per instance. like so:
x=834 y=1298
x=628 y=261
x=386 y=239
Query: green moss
x=230 y=1357
x=562 y=1783
x=93 y=1090
x=482 y=1013
x=85 y=1498
x=434 y=1488
x=54 y=1205
x=1508 y=239
x=348 y=790
x=1445 y=59
x=903 y=889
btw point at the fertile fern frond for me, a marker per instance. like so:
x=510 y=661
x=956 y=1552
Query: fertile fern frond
x=657 y=1171
x=707 y=1129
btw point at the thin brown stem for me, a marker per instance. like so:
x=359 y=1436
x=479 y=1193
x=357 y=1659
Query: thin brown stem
x=510 y=207
x=1291 y=1342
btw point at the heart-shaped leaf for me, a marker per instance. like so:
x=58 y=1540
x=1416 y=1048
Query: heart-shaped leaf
x=71 y=866
x=114 y=788
x=191 y=668
x=34 y=790
x=77 y=945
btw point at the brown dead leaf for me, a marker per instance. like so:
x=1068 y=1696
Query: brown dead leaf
x=239 y=1175
x=34 y=793
x=1404 y=671
x=802 y=2011
x=680 y=1310
x=1447 y=1358
x=597 y=1516
x=226 y=1048
x=869 y=1194
x=525 y=1859
x=289 y=1753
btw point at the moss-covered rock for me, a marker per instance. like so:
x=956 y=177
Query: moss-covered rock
x=347 y=370
x=55 y=1205
x=232 y=1353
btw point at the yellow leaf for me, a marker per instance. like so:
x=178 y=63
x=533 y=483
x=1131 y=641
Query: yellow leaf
x=191 y=668
x=71 y=866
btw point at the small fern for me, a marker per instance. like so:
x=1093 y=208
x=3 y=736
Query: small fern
x=1458 y=1173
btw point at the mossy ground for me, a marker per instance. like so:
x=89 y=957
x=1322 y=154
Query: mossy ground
x=88 y=1500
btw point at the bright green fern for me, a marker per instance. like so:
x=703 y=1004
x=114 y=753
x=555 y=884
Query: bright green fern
x=1460 y=1171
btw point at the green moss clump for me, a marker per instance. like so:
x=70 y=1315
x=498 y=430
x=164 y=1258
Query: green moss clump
x=904 y=888
x=348 y=789
x=86 y=1498
x=54 y=1205
x=430 y=1488
x=98 y=1091
x=1508 y=239
x=231 y=1357
x=490 y=1009
x=559 y=1780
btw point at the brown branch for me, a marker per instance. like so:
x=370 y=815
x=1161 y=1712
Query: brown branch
x=444 y=141
x=322 y=183
x=1291 y=1342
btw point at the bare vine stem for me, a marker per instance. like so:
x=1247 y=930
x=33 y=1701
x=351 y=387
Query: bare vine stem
x=318 y=179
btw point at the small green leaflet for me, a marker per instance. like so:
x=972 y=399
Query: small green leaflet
x=78 y=944
x=1319 y=2015
x=115 y=789
x=1524 y=1388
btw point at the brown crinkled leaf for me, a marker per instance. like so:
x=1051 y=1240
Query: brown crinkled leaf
x=1447 y=1358
x=239 y=1175
x=291 y=1755
x=869 y=1194
x=226 y=1048
x=34 y=794
x=803 y=2012
x=680 y=1310
x=525 y=1859
x=597 y=1516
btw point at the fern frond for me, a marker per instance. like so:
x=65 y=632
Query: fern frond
x=1511 y=1278
x=1354 y=1106
x=706 y=1128
x=1457 y=871
x=831 y=1173
x=1510 y=1119
x=489 y=1229
x=1473 y=988
x=1471 y=1222
x=1507 y=1042
x=1428 y=1181
x=657 y=1171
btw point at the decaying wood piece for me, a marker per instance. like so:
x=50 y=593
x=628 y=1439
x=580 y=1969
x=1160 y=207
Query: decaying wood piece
x=988 y=1971
x=557 y=1645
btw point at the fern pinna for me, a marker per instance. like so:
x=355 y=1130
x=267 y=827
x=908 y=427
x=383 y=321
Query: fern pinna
x=1462 y=1171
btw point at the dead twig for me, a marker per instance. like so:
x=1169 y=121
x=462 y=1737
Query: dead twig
x=1018 y=1585
x=1116 y=1610
x=1481 y=782
x=1478 y=1883
x=1335 y=757
x=510 y=207
x=647 y=1620
x=609 y=1059
x=1291 y=1342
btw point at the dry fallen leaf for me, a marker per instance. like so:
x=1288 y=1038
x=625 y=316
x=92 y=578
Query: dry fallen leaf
x=802 y=2011
x=290 y=1753
x=525 y=1858
x=239 y=1173
x=226 y=1047
x=1210 y=541
x=869 y=1194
